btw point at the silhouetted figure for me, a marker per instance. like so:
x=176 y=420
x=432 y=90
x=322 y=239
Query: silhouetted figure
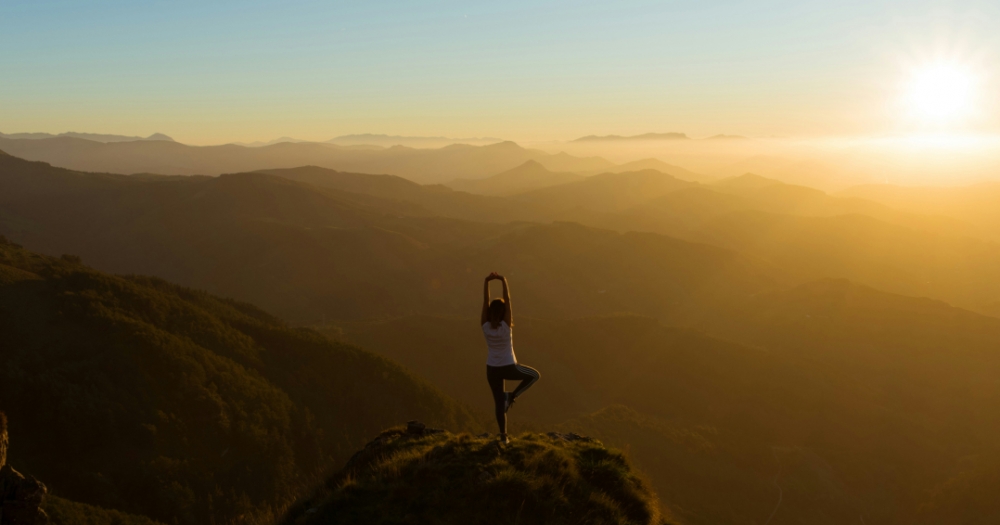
x=500 y=362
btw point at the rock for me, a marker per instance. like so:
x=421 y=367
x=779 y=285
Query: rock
x=572 y=436
x=415 y=427
x=21 y=497
x=3 y=439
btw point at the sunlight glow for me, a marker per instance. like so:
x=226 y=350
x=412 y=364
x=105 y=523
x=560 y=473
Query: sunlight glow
x=942 y=92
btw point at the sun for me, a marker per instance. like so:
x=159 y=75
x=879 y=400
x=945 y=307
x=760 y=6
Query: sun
x=941 y=92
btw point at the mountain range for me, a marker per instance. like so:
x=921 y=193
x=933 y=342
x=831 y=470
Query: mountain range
x=528 y=176
x=410 y=141
x=644 y=136
x=372 y=139
x=818 y=357
x=652 y=137
x=96 y=137
x=172 y=158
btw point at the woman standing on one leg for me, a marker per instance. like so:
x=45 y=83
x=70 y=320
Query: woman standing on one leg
x=501 y=364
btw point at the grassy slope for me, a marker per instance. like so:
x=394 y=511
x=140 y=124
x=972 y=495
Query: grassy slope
x=457 y=479
x=175 y=404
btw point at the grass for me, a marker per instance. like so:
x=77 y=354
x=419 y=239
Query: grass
x=445 y=478
x=65 y=512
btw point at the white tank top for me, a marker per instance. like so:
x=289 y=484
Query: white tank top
x=499 y=344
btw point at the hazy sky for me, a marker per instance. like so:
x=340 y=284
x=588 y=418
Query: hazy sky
x=218 y=71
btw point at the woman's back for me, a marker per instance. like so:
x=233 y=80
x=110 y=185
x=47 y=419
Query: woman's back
x=499 y=344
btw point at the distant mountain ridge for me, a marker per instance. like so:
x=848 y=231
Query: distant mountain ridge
x=423 y=165
x=96 y=137
x=259 y=143
x=726 y=137
x=531 y=175
x=658 y=165
x=644 y=136
x=303 y=251
x=377 y=139
x=653 y=136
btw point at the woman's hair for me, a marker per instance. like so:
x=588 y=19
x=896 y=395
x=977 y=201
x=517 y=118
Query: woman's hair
x=498 y=309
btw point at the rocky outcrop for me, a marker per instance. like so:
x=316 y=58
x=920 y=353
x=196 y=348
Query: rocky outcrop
x=21 y=497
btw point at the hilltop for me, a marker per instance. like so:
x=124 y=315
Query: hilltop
x=417 y=475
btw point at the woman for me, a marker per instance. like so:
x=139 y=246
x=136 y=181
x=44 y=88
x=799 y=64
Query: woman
x=500 y=362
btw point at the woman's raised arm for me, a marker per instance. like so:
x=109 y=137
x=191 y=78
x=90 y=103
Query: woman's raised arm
x=509 y=317
x=485 y=315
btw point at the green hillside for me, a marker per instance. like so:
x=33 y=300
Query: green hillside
x=445 y=478
x=138 y=395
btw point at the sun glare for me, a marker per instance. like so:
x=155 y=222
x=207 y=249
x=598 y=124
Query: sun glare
x=942 y=92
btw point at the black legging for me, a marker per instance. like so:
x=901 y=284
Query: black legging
x=495 y=375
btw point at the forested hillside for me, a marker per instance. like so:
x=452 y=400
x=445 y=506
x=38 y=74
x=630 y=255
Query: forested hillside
x=135 y=394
